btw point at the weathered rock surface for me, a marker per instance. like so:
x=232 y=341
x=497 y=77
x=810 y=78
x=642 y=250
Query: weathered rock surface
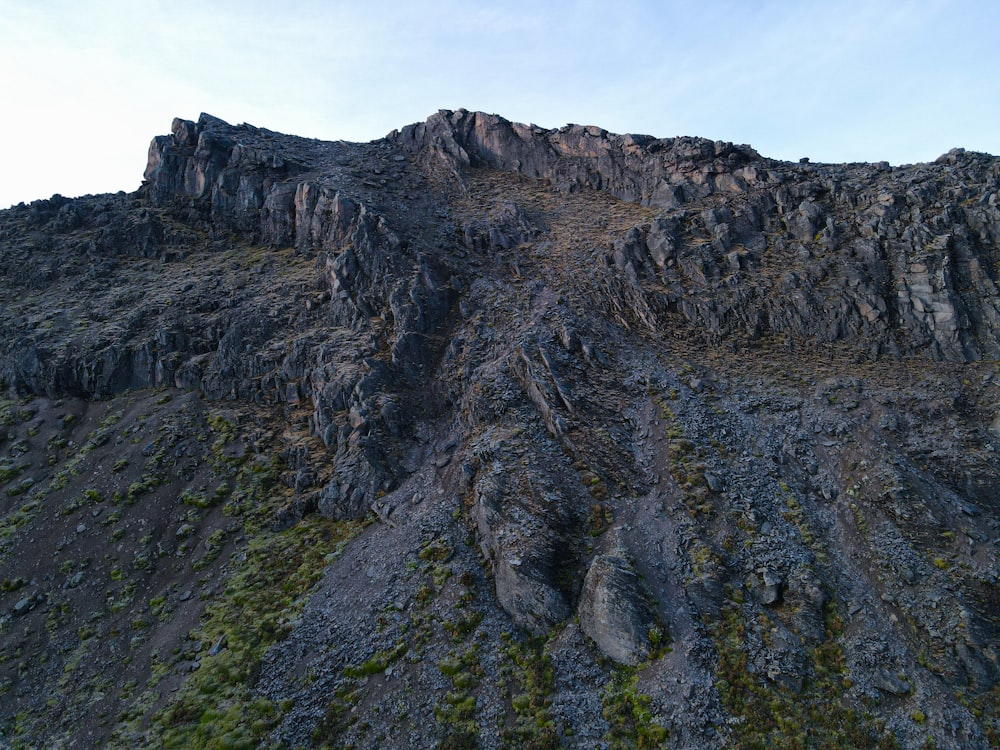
x=597 y=394
x=900 y=260
x=613 y=610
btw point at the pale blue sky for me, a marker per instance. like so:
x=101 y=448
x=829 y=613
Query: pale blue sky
x=87 y=84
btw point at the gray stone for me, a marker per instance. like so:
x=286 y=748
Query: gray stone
x=218 y=646
x=614 y=611
x=771 y=590
x=890 y=683
x=714 y=482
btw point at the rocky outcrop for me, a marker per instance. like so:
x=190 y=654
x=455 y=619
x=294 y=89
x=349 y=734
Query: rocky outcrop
x=592 y=391
x=506 y=227
x=231 y=342
x=527 y=549
x=228 y=170
x=655 y=172
x=731 y=275
x=743 y=246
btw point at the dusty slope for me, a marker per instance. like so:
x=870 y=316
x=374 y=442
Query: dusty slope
x=665 y=444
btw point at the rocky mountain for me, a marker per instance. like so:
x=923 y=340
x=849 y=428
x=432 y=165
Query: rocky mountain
x=488 y=435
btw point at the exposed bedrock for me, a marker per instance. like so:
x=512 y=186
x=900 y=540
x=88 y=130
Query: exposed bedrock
x=607 y=400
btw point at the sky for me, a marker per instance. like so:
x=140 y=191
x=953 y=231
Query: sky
x=86 y=85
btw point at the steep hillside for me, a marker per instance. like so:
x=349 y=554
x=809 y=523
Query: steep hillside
x=486 y=435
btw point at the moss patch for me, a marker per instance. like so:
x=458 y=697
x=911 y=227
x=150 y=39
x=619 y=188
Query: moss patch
x=216 y=706
x=820 y=716
x=630 y=722
x=530 y=679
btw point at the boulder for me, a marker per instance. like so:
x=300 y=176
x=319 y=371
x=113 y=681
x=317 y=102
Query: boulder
x=614 y=611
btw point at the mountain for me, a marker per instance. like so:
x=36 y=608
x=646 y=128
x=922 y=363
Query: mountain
x=488 y=435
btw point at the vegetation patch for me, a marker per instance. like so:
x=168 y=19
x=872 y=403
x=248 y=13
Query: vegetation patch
x=819 y=716
x=457 y=712
x=378 y=663
x=986 y=708
x=630 y=722
x=685 y=467
x=599 y=519
x=10 y=469
x=338 y=717
x=529 y=678
x=15 y=520
x=216 y=706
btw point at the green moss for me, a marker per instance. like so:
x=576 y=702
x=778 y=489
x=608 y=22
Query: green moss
x=21 y=487
x=457 y=712
x=530 y=680
x=11 y=469
x=424 y=595
x=216 y=707
x=134 y=491
x=8 y=414
x=985 y=707
x=460 y=628
x=599 y=519
x=687 y=471
x=436 y=551
x=253 y=482
x=440 y=575
x=338 y=718
x=18 y=518
x=378 y=663
x=659 y=641
x=214 y=545
x=8 y=585
x=111 y=418
x=226 y=431
x=73 y=505
x=194 y=499
x=819 y=716
x=630 y=722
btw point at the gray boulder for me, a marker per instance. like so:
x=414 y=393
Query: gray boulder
x=614 y=610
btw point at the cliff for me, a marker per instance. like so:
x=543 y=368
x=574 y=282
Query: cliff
x=489 y=435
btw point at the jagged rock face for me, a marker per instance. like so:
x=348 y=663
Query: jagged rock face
x=746 y=246
x=637 y=168
x=727 y=420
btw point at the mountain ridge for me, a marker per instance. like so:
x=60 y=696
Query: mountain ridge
x=664 y=442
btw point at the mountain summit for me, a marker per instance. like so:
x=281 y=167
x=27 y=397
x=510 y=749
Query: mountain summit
x=489 y=435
